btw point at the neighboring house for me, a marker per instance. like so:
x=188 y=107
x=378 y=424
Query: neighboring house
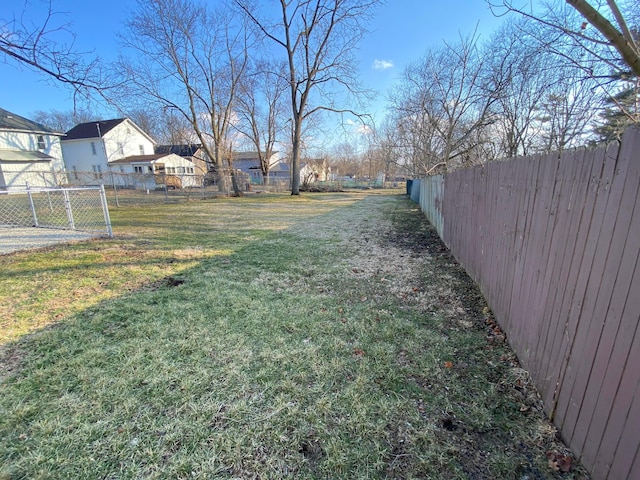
x=194 y=153
x=90 y=149
x=316 y=170
x=156 y=171
x=30 y=154
x=249 y=163
x=280 y=171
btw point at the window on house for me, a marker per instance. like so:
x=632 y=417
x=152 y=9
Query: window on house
x=97 y=171
x=93 y=148
x=141 y=149
x=120 y=148
x=41 y=144
x=150 y=168
x=137 y=169
x=75 y=172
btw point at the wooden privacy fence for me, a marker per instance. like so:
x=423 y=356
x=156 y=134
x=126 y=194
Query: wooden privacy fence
x=553 y=241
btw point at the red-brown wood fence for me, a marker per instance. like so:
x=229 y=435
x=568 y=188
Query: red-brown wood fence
x=553 y=242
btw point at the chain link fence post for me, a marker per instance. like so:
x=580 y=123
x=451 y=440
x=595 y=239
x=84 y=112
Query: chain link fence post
x=34 y=215
x=105 y=210
x=67 y=207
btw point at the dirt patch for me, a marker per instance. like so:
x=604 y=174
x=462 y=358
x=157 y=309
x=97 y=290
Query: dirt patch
x=10 y=360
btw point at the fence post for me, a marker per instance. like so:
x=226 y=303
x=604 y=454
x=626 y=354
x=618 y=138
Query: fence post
x=67 y=207
x=115 y=188
x=105 y=210
x=166 y=188
x=33 y=207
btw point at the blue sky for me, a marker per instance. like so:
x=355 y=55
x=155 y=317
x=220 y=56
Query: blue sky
x=402 y=31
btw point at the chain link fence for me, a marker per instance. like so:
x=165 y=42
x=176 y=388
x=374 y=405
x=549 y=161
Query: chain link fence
x=176 y=186
x=148 y=188
x=76 y=208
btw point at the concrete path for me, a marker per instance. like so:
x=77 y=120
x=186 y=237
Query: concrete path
x=15 y=239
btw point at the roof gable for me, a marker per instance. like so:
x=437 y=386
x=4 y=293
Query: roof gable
x=11 y=121
x=188 y=150
x=251 y=155
x=93 y=129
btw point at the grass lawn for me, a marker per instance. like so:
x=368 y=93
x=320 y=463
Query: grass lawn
x=325 y=336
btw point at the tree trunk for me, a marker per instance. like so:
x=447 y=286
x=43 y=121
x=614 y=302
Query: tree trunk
x=295 y=160
x=234 y=182
x=627 y=49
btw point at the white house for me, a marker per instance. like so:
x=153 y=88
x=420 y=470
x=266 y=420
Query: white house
x=249 y=163
x=90 y=149
x=156 y=171
x=30 y=153
x=192 y=152
x=315 y=170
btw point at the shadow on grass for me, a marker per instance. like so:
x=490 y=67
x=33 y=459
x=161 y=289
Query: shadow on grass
x=285 y=358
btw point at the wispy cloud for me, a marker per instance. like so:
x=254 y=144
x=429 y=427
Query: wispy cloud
x=359 y=127
x=382 y=64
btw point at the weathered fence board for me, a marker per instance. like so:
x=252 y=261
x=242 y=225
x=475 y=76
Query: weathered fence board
x=589 y=327
x=554 y=243
x=614 y=347
x=616 y=278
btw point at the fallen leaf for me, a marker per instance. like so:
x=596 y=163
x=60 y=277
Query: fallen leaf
x=448 y=364
x=358 y=352
x=559 y=462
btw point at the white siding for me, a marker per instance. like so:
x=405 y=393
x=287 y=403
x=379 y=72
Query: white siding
x=33 y=174
x=79 y=156
x=40 y=174
x=124 y=140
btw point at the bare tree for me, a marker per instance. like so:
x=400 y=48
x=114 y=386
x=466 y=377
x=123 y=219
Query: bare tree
x=260 y=108
x=613 y=42
x=444 y=100
x=518 y=66
x=189 y=60
x=384 y=139
x=47 y=46
x=318 y=38
x=566 y=111
x=63 y=121
x=618 y=33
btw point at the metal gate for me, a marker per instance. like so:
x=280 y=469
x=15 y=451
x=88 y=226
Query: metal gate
x=74 y=208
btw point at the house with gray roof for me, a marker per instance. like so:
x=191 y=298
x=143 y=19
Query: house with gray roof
x=192 y=152
x=92 y=149
x=249 y=163
x=30 y=154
